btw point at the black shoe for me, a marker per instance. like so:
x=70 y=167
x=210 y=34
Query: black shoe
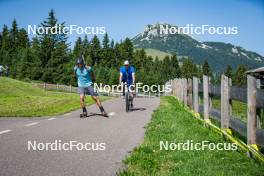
x=84 y=114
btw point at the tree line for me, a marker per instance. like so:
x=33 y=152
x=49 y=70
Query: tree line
x=48 y=57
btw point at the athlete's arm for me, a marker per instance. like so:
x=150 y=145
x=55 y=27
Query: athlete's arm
x=90 y=70
x=120 y=77
x=75 y=69
x=92 y=76
x=133 y=78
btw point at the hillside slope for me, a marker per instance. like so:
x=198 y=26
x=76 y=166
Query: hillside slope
x=218 y=54
x=22 y=99
x=155 y=53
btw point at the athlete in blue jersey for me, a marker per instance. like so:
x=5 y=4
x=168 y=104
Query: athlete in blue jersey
x=85 y=78
x=127 y=75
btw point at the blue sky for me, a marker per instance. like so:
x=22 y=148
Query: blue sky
x=127 y=18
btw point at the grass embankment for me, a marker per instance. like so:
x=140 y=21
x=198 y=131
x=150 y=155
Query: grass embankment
x=22 y=99
x=171 y=122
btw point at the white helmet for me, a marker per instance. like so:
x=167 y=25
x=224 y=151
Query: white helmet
x=126 y=62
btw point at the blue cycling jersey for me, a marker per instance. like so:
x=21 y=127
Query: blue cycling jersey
x=127 y=74
x=83 y=76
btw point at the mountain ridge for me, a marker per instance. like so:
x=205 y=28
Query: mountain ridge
x=218 y=54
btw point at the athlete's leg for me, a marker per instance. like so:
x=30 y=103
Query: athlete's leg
x=95 y=97
x=82 y=102
x=82 y=99
x=97 y=101
x=131 y=92
x=99 y=104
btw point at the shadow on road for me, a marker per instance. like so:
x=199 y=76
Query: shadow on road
x=138 y=109
x=95 y=114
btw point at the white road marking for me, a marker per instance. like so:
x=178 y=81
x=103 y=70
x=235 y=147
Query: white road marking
x=5 y=131
x=31 y=124
x=111 y=113
x=67 y=114
x=52 y=118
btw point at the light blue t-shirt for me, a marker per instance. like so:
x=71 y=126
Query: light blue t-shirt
x=83 y=76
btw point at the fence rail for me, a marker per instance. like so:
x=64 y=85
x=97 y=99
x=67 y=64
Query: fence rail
x=236 y=93
x=188 y=91
x=72 y=89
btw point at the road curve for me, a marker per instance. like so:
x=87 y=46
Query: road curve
x=120 y=134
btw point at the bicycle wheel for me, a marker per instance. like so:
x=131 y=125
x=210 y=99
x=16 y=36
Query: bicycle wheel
x=127 y=102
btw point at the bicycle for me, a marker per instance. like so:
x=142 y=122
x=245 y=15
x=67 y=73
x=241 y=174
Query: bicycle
x=128 y=98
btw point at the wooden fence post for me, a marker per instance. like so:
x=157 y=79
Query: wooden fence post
x=251 y=109
x=185 y=87
x=70 y=88
x=258 y=110
x=230 y=100
x=189 y=93
x=206 y=96
x=180 y=89
x=195 y=94
x=174 y=87
x=225 y=106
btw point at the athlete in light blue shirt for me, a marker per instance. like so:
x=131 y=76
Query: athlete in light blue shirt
x=85 y=78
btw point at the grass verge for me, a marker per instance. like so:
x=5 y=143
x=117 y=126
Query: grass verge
x=21 y=99
x=170 y=122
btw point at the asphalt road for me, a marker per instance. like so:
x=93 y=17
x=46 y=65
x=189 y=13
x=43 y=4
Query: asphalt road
x=108 y=141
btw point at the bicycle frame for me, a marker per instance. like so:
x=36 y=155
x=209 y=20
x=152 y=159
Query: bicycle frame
x=128 y=97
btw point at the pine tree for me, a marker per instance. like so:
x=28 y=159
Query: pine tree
x=176 y=72
x=188 y=68
x=106 y=41
x=86 y=48
x=228 y=71
x=22 y=58
x=125 y=51
x=14 y=36
x=206 y=68
x=140 y=57
x=78 y=49
x=5 y=47
x=37 y=69
x=95 y=50
x=107 y=55
x=112 y=44
x=240 y=77
x=53 y=50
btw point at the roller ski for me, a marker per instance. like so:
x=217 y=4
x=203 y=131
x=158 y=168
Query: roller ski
x=103 y=113
x=84 y=113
